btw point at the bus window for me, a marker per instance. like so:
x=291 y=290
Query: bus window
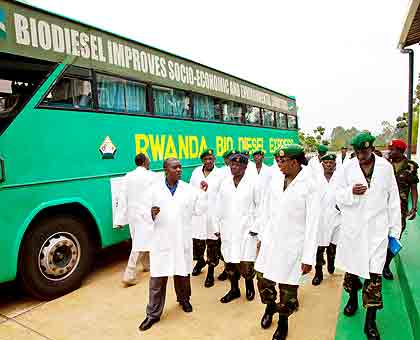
x=292 y=120
x=135 y=97
x=19 y=79
x=252 y=115
x=281 y=120
x=268 y=118
x=204 y=107
x=230 y=111
x=170 y=102
x=70 y=92
x=111 y=93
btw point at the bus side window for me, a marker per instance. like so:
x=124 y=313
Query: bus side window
x=268 y=118
x=205 y=107
x=70 y=92
x=292 y=121
x=281 y=120
x=252 y=115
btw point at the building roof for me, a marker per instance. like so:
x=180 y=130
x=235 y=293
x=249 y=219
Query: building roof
x=410 y=34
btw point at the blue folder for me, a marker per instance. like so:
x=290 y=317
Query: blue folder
x=394 y=245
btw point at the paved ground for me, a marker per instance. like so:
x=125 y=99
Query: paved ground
x=102 y=309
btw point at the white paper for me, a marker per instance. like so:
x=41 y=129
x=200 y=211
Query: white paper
x=116 y=188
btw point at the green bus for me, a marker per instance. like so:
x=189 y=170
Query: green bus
x=76 y=105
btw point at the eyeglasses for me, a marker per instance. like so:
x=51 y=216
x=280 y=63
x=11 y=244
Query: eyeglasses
x=284 y=159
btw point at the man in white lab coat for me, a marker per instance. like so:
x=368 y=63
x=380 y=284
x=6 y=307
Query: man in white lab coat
x=264 y=171
x=251 y=170
x=315 y=162
x=203 y=232
x=369 y=202
x=330 y=218
x=288 y=229
x=172 y=205
x=133 y=202
x=342 y=157
x=234 y=219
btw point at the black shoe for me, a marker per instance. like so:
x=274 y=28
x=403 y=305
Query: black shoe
x=186 y=307
x=198 y=267
x=210 y=277
x=147 y=323
x=267 y=318
x=223 y=276
x=319 y=276
x=352 y=305
x=282 y=329
x=250 y=291
x=230 y=296
x=371 y=330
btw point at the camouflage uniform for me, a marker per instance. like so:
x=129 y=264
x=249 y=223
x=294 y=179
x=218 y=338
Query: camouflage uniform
x=288 y=296
x=244 y=269
x=213 y=251
x=372 y=289
x=406 y=175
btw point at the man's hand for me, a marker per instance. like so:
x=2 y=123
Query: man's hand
x=359 y=189
x=204 y=186
x=155 y=211
x=306 y=268
x=412 y=214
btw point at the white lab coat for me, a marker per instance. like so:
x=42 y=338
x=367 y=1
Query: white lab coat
x=225 y=171
x=133 y=205
x=288 y=228
x=234 y=218
x=171 y=250
x=330 y=219
x=264 y=177
x=339 y=160
x=367 y=219
x=251 y=172
x=202 y=229
x=315 y=166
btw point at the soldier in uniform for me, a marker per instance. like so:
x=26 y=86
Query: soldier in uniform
x=407 y=178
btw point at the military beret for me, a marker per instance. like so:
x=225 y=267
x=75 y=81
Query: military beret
x=399 y=144
x=329 y=157
x=207 y=152
x=229 y=153
x=245 y=152
x=322 y=148
x=258 y=152
x=344 y=147
x=290 y=150
x=239 y=157
x=362 y=141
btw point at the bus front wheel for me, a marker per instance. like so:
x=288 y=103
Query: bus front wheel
x=56 y=254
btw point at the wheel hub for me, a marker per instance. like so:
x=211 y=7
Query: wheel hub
x=59 y=256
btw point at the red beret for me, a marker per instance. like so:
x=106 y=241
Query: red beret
x=399 y=144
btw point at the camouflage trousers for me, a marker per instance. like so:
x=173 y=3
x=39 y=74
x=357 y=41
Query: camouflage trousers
x=288 y=295
x=213 y=251
x=236 y=270
x=372 y=289
x=404 y=213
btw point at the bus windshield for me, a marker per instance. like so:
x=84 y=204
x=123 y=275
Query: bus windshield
x=19 y=78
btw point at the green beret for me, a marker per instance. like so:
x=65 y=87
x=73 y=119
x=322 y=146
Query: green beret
x=207 y=152
x=258 y=152
x=362 y=141
x=329 y=157
x=322 y=148
x=290 y=150
x=229 y=153
x=245 y=152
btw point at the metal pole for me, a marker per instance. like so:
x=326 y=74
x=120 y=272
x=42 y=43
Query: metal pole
x=410 y=97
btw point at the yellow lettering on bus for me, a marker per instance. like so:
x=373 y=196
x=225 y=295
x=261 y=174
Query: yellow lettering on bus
x=142 y=144
x=193 y=144
x=158 y=146
x=183 y=147
x=170 y=148
x=203 y=145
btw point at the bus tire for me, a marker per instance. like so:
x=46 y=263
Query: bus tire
x=56 y=254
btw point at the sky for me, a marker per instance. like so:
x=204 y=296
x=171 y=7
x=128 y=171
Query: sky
x=338 y=58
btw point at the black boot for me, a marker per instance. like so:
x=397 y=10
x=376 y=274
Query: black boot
x=210 y=277
x=352 y=304
x=234 y=292
x=386 y=273
x=319 y=276
x=331 y=250
x=267 y=318
x=282 y=329
x=371 y=330
x=198 y=267
x=250 y=291
x=223 y=276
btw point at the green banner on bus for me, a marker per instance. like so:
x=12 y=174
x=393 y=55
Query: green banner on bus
x=34 y=33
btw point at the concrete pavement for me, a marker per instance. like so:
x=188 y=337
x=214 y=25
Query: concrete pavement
x=102 y=309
